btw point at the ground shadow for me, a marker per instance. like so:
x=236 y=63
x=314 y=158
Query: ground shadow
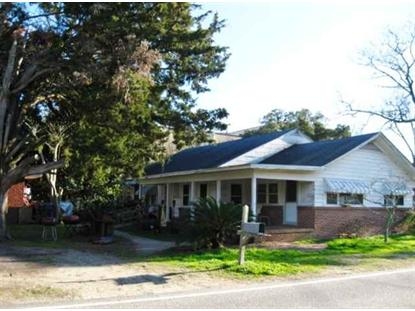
x=140 y=279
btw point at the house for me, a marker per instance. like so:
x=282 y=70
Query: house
x=290 y=181
x=17 y=207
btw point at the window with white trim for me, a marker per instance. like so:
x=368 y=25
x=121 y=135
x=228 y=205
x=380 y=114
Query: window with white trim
x=273 y=193
x=344 y=198
x=261 y=196
x=393 y=200
x=267 y=193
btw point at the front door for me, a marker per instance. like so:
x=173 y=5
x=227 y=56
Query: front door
x=290 y=208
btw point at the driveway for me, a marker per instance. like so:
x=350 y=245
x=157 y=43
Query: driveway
x=144 y=245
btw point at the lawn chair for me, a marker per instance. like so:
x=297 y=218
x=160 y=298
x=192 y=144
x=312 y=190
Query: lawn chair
x=48 y=220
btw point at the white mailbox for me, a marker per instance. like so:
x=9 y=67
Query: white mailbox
x=253 y=227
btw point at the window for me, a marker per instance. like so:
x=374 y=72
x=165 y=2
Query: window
x=236 y=193
x=262 y=193
x=350 y=198
x=344 y=198
x=203 y=191
x=393 y=200
x=267 y=193
x=272 y=193
x=331 y=198
x=186 y=195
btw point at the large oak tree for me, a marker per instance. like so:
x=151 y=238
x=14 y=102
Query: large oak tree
x=124 y=75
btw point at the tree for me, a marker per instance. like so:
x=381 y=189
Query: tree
x=310 y=124
x=125 y=74
x=157 y=57
x=24 y=61
x=392 y=63
x=55 y=136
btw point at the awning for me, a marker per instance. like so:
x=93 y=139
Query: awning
x=392 y=188
x=337 y=185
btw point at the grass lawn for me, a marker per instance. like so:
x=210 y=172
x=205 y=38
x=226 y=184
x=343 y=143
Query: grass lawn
x=354 y=253
x=357 y=254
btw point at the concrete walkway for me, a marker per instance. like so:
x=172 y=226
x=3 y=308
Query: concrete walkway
x=144 y=245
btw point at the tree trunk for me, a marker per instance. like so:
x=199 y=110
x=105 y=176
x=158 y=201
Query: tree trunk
x=390 y=217
x=55 y=197
x=4 y=233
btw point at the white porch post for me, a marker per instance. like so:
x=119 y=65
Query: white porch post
x=218 y=191
x=167 y=202
x=140 y=191
x=192 y=191
x=253 y=196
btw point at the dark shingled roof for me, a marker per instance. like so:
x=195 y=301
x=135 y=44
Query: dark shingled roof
x=211 y=156
x=317 y=153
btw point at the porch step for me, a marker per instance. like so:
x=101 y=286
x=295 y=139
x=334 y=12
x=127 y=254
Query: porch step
x=287 y=234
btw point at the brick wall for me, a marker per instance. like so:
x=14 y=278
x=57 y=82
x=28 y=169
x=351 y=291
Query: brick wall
x=15 y=196
x=330 y=222
x=305 y=217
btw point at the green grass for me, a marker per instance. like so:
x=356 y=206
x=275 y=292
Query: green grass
x=351 y=253
x=283 y=262
x=374 y=246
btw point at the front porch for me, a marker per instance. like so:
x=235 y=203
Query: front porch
x=275 y=202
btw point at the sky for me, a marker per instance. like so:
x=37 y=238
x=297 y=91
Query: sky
x=301 y=54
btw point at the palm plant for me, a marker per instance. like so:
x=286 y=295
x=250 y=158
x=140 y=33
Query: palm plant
x=213 y=223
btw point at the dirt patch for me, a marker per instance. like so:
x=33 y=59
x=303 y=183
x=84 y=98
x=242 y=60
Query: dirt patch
x=34 y=274
x=291 y=245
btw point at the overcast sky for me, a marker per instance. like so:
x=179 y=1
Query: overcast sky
x=300 y=54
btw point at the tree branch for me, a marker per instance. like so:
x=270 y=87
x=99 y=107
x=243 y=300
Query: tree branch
x=22 y=83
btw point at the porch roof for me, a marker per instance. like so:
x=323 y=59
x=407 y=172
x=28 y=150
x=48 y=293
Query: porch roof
x=318 y=153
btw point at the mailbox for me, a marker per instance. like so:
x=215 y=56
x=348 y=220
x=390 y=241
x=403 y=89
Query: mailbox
x=253 y=227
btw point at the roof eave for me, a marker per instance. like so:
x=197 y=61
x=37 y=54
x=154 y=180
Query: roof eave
x=235 y=168
x=402 y=160
x=285 y=167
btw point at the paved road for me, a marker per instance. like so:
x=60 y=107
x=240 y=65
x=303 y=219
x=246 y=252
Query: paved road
x=391 y=289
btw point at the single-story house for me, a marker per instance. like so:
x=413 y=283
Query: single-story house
x=290 y=181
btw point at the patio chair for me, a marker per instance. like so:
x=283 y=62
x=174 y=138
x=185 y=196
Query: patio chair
x=48 y=220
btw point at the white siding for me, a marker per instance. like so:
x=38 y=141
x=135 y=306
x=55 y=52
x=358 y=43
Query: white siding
x=367 y=163
x=305 y=193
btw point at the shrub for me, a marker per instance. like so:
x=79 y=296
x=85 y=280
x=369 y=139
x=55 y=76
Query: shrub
x=211 y=224
x=407 y=225
x=351 y=229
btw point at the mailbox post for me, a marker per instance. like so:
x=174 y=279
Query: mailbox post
x=243 y=236
x=248 y=229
